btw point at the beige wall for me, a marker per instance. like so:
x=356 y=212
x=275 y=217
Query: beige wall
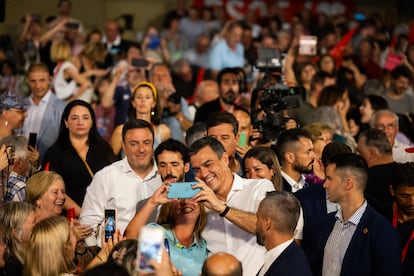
x=90 y=12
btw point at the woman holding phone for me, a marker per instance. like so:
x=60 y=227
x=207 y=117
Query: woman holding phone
x=183 y=221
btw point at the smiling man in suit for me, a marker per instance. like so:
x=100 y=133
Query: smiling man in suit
x=277 y=216
x=45 y=111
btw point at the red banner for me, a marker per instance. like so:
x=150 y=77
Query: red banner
x=286 y=8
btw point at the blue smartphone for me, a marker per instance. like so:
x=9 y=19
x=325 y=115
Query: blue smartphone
x=182 y=190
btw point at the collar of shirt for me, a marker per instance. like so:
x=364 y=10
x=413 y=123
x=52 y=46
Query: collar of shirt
x=17 y=176
x=44 y=100
x=355 y=218
x=273 y=254
x=152 y=174
x=295 y=185
x=116 y=42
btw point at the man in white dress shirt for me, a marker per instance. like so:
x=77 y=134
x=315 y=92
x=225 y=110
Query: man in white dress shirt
x=231 y=203
x=123 y=184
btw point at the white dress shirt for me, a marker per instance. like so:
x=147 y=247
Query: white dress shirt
x=296 y=186
x=117 y=187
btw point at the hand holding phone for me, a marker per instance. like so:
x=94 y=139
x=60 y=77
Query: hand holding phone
x=182 y=190
x=110 y=223
x=151 y=240
x=32 y=139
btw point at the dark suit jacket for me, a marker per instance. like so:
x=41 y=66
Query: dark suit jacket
x=291 y=262
x=313 y=202
x=286 y=186
x=375 y=247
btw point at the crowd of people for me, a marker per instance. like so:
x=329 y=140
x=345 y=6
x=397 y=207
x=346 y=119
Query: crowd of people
x=91 y=122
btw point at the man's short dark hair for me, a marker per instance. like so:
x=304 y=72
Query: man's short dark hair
x=332 y=149
x=376 y=138
x=402 y=71
x=319 y=78
x=404 y=175
x=283 y=208
x=351 y=165
x=287 y=138
x=218 y=118
x=195 y=132
x=211 y=142
x=174 y=146
x=136 y=123
x=228 y=70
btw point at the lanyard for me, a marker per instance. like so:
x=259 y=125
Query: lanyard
x=394 y=223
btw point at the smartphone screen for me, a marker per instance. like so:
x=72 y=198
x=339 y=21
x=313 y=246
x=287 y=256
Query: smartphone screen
x=151 y=240
x=182 y=190
x=110 y=223
x=72 y=25
x=242 y=139
x=32 y=139
x=307 y=45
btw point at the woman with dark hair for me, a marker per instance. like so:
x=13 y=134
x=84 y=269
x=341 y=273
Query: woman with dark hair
x=78 y=152
x=262 y=162
x=370 y=104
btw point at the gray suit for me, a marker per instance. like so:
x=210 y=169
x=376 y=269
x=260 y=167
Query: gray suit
x=49 y=127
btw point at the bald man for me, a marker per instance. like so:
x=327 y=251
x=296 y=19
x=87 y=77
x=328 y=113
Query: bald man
x=222 y=264
x=245 y=130
x=206 y=91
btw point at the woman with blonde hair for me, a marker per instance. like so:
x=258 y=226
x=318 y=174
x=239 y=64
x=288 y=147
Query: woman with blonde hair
x=183 y=221
x=51 y=249
x=92 y=54
x=68 y=83
x=46 y=191
x=144 y=105
x=19 y=219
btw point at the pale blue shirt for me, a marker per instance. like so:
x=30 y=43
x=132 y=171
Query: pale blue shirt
x=35 y=114
x=221 y=56
x=189 y=260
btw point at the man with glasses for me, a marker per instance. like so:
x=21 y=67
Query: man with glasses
x=387 y=121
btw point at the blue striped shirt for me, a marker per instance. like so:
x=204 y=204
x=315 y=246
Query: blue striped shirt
x=339 y=240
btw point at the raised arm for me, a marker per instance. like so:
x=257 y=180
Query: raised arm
x=141 y=218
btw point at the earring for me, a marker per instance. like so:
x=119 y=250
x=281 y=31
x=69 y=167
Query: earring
x=6 y=123
x=152 y=112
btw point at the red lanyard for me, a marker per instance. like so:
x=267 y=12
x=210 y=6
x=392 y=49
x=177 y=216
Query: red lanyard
x=394 y=223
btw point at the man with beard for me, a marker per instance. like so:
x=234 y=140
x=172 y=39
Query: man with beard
x=294 y=150
x=397 y=97
x=229 y=87
x=231 y=203
x=172 y=162
x=402 y=213
x=277 y=216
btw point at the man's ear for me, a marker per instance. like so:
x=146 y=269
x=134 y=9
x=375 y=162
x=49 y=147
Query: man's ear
x=186 y=167
x=392 y=191
x=225 y=158
x=290 y=157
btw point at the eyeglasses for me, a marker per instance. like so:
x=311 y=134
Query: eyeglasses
x=324 y=139
x=384 y=127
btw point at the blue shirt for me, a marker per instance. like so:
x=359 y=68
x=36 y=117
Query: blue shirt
x=16 y=188
x=222 y=56
x=189 y=260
